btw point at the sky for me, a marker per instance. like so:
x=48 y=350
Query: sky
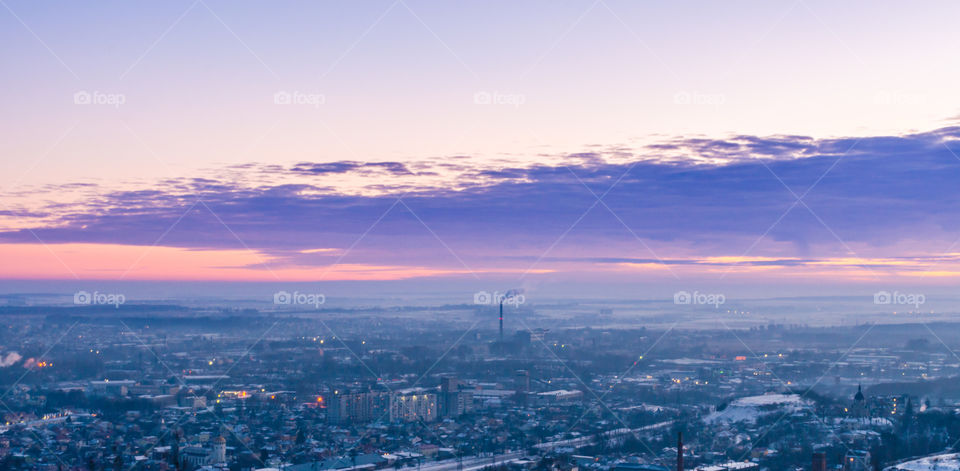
x=796 y=143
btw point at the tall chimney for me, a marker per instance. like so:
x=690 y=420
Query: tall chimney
x=501 y=321
x=819 y=462
x=679 y=451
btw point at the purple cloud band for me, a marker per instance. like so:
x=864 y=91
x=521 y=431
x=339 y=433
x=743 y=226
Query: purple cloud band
x=878 y=191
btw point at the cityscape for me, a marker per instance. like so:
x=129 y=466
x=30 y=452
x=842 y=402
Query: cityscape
x=473 y=387
x=479 y=235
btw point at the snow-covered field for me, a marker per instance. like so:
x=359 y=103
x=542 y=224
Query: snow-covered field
x=750 y=408
x=649 y=408
x=944 y=462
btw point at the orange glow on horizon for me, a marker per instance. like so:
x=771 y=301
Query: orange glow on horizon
x=133 y=262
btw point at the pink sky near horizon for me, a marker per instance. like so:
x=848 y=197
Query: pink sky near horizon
x=159 y=263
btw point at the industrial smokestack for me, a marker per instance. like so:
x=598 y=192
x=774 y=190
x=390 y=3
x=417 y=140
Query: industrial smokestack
x=501 y=321
x=511 y=297
x=819 y=462
x=679 y=451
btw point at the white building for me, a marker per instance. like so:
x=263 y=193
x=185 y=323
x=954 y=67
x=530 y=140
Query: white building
x=198 y=456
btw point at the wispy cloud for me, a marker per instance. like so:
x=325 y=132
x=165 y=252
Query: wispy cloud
x=693 y=200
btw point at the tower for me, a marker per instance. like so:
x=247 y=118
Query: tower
x=819 y=462
x=501 y=321
x=219 y=454
x=522 y=381
x=449 y=384
x=860 y=409
x=449 y=399
x=679 y=451
x=522 y=386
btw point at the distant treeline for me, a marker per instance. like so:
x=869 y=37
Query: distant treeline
x=940 y=387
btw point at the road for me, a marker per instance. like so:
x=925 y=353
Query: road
x=584 y=441
x=471 y=463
